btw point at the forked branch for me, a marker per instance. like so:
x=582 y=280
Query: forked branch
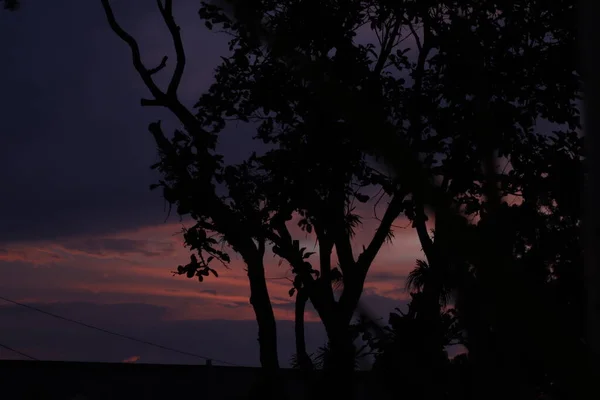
x=160 y=97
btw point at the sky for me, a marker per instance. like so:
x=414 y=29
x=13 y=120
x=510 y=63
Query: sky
x=82 y=236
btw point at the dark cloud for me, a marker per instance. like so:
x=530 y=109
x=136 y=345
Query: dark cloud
x=45 y=337
x=74 y=150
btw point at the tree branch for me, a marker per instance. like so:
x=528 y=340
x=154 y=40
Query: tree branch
x=151 y=103
x=166 y=11
x=161 y=140
x=318 y=291
x=135 y=51
x=325 y=248
x=420 y=225
x=163 y=63
x=284 y=242
x=417 y=38
x=387 y=47
x=169 y=99
x=341 y=234
x=343 y=248
x=284 y=234
x=391 y=213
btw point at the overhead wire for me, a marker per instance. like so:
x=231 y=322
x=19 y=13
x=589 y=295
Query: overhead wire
x=132 y=338
x=18 y=352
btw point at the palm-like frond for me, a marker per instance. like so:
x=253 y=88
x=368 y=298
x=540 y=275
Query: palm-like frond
x=352 y=222
x=418 y=277
x=423 y=275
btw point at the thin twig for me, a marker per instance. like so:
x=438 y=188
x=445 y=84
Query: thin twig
x=163 y=64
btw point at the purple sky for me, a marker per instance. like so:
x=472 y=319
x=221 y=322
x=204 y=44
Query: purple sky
x=81 y=235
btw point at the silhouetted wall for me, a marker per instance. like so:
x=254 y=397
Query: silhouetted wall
x=49 y=380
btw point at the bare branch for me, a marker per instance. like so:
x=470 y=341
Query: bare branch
x=161 y=140
x=166 y=11
x=135 y=50
x=163 y=63
x=169 y=99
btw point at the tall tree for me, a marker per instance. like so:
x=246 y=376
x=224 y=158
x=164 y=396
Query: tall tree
x=306 y=101
x=467 y=99
x=470 y=86
x=541 y=330
x=489 y=89
x=194 y=180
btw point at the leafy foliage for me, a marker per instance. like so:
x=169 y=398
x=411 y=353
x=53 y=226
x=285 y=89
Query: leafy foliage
x=449 y=96
x=468 y=90
x=307 y=103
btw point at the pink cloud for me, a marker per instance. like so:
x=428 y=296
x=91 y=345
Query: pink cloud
x=136 y=265
x=132 y=359
x=110 y=247
x=31 y=254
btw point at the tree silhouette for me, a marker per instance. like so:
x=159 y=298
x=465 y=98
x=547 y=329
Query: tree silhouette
x=420 y=367
x=492 y=97
x=306 y=103
x=484 y=74
x=322 y=356
x=192 y=179
x=447 y=92
x=542 y=331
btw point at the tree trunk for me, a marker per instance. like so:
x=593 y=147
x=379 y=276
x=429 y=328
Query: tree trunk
x=261 y=303
x=339 y=367
x=304 y=361
x=270 y=385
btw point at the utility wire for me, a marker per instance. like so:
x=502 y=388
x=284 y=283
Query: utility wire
x=18 y=352
x=115 y=334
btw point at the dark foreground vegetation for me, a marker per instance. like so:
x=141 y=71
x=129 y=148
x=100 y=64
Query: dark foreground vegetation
x=462 y=117
x=460 y=113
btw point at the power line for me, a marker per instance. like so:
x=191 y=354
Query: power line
x=116 y=334
x=18 y=352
